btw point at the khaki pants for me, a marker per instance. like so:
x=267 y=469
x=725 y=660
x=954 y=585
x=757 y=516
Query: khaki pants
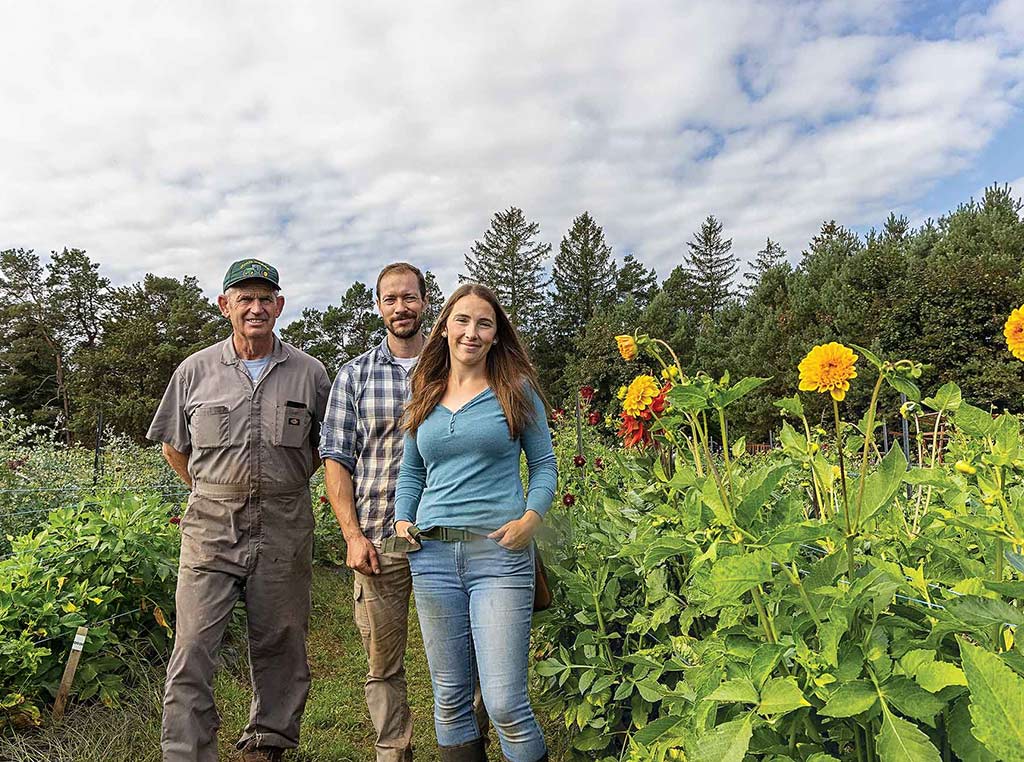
x=382 y=616
x=225 y=556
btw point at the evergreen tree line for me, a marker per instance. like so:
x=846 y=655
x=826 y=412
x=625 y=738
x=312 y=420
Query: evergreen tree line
x=72 y=345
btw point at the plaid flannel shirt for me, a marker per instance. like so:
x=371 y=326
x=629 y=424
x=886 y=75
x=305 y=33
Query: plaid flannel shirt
x=362 y=432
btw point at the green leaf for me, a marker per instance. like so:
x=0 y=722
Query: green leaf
x=935 y=676
x=976 y=611
x=691 y=398
x=974 y=421
x=807 y=531
x=961 y=739
x=850 y=699
x=650 y=689
x=781 y=695
x=792 y=443
x=732 y=576
x=868 y=355
x=948 y=397
x=791 y=405
x=591 y=739
x=726 y=743
x=740 y=689
x=549 y=668
x=1011 y=589
x=881 y=486
x=911 y=699
x=902 y=741
x=660 y=727
x=664 y=548
x=997 y=702
x=713 y=499
x=759 y=487
x=763 y=662
x=741 y=389
x=904 y=386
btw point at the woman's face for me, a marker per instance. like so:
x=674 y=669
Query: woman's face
x=472 y=327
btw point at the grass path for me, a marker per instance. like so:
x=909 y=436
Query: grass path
x=335 y=728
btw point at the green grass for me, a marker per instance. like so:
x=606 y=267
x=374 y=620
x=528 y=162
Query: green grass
x=335 y=727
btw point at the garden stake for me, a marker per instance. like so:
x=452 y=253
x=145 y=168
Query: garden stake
x=69 y=673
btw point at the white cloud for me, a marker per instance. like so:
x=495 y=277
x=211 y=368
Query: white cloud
x=332 y=138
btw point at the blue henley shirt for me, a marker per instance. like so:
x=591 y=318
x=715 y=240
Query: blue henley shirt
x=462 y=468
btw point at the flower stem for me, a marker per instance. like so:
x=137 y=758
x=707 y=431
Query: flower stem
x=842 y=468
x=671 y=352
x=725 y=450
x=814 y=477
x=869 y=437
x=762 y=612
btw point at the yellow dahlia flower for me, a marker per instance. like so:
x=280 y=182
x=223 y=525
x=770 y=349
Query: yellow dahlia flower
x=640 y=394
x=828 y=368
x=627 y=347
x=1014 y=333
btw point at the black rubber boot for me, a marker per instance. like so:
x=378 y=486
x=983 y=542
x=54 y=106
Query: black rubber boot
x=464 y=752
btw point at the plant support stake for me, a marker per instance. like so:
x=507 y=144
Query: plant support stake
x=69 y=673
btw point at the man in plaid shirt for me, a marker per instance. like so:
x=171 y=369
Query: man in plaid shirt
x=361 y=443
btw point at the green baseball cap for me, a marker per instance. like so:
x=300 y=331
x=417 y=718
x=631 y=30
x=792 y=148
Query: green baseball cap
x=250 y=269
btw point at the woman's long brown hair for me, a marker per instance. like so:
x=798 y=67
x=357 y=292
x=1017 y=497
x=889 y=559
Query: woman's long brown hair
x=509 y=370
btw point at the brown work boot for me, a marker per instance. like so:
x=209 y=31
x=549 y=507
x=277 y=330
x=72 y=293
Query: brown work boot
x=263 y=754
x=464 y=752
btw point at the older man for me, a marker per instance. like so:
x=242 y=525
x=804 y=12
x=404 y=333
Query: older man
x=239 y=423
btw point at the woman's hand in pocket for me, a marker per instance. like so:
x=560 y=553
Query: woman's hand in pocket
x=402 y=530
x=517 y=534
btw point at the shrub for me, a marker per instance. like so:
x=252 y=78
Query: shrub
x=107 y=561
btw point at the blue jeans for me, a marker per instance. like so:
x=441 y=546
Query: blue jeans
x=476 y=599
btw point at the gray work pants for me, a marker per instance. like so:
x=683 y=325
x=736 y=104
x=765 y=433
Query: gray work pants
x=258 y=549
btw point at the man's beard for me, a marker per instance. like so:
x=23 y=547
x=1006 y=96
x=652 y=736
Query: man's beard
x=406 y=333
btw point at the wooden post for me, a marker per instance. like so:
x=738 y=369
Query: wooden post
x=69 y=673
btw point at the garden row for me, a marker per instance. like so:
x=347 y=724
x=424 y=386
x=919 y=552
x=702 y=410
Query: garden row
x=824 y=601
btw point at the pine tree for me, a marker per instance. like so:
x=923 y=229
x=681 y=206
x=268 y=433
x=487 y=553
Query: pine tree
x=435 y=301
x=584 y=276
x=633 y=279
x=713 y=265
x=511 y=262
x=338 y=333
x=772 y=255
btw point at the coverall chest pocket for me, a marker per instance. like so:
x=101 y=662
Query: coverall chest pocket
x=292 y=426
x=210 y=427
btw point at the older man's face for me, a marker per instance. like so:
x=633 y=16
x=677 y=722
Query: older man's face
x=252 y=307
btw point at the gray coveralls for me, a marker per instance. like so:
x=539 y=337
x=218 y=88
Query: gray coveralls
x=248 y=532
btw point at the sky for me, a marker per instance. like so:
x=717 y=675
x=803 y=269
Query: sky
x=332 y=138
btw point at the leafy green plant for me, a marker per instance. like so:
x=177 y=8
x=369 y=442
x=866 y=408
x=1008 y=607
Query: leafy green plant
x=108 y=562
x=823 y=602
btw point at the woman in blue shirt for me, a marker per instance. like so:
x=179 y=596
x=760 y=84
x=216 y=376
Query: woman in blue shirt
x=476 y=406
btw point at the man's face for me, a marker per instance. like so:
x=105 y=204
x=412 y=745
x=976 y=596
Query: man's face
x=401 y=304
x=252 y=307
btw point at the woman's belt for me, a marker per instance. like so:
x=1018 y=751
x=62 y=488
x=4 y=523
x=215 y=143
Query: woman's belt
x=396 y=544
